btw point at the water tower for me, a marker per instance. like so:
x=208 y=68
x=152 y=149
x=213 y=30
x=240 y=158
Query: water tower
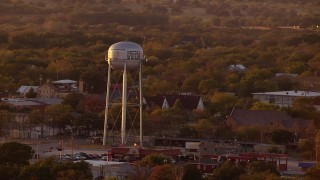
x=125 y=56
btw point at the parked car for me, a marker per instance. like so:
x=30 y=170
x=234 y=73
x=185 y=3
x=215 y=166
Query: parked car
x=79 y=157
x=105 y=158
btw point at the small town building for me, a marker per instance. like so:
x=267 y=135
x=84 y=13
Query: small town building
x=23 y=90
x=237 y=68
x=204 y=164
x=58 y=89
x=282 y=98
x=220 y=148
x=267 y=121
x=165 y=101
x=265 y=148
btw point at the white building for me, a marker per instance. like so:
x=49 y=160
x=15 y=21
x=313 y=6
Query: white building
x=23 y=90
x=282 y=98
x=58 y=89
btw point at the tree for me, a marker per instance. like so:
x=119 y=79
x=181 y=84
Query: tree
x=264 y=106
x=31 y=93
x=9 y=172
x=306 y=149
x=280 y=136
x=223 y=102
x=51 y=169
x=191 y=173
x=248 y=134
x=58 y=115
x=262 y=175
x=92 y=79
x=204 y=128
x=72 y=99
x=187 y=132
x=206 y=85
x=144 y=168
x=262 y=166
x=227 y=171
x=15 y=154
x=313 y=173
x=154 y=160
x=191 y=84
x=303 y=103
x=163 y=172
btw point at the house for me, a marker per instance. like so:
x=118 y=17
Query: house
x=282 y=98
x=165 y=101
x=19 y=104
x=265 y=148
x=220 y=148
x=192 y=147
x=135 y=153
x=204 y=164
x=237 y=68
x=267 y=121
x=285 y=75
x=23 y=90
x=58 y=89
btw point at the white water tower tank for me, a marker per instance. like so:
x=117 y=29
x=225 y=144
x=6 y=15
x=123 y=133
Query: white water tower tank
x=124 y=52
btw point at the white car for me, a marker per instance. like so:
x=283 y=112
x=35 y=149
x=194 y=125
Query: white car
x=79 y=157
x=105 y=158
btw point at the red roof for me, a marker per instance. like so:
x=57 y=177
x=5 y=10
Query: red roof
x=167 y=152
x=260 y=155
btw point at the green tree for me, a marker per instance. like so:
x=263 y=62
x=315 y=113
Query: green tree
x=206 y=85
x=190 y=83
x=264 y=106
x=227 y=171
x=72 y=99
x=248 y=134
x=58 y=115
x=223 y=103
x=204 y=128
x=154 y=160
x=92 y=80
x=15 y=154
x=51 y=169
x=303 y=103
x=262 y=166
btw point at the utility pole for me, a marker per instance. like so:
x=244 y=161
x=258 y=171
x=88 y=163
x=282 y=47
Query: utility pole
x=317 y=144
x=37 y=148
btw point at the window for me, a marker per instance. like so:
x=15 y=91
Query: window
x=133 y=55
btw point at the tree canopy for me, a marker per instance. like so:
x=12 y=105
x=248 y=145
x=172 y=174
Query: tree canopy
x=15 y=154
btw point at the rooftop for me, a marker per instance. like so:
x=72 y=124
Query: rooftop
x=64 y=81
x=290 y=93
